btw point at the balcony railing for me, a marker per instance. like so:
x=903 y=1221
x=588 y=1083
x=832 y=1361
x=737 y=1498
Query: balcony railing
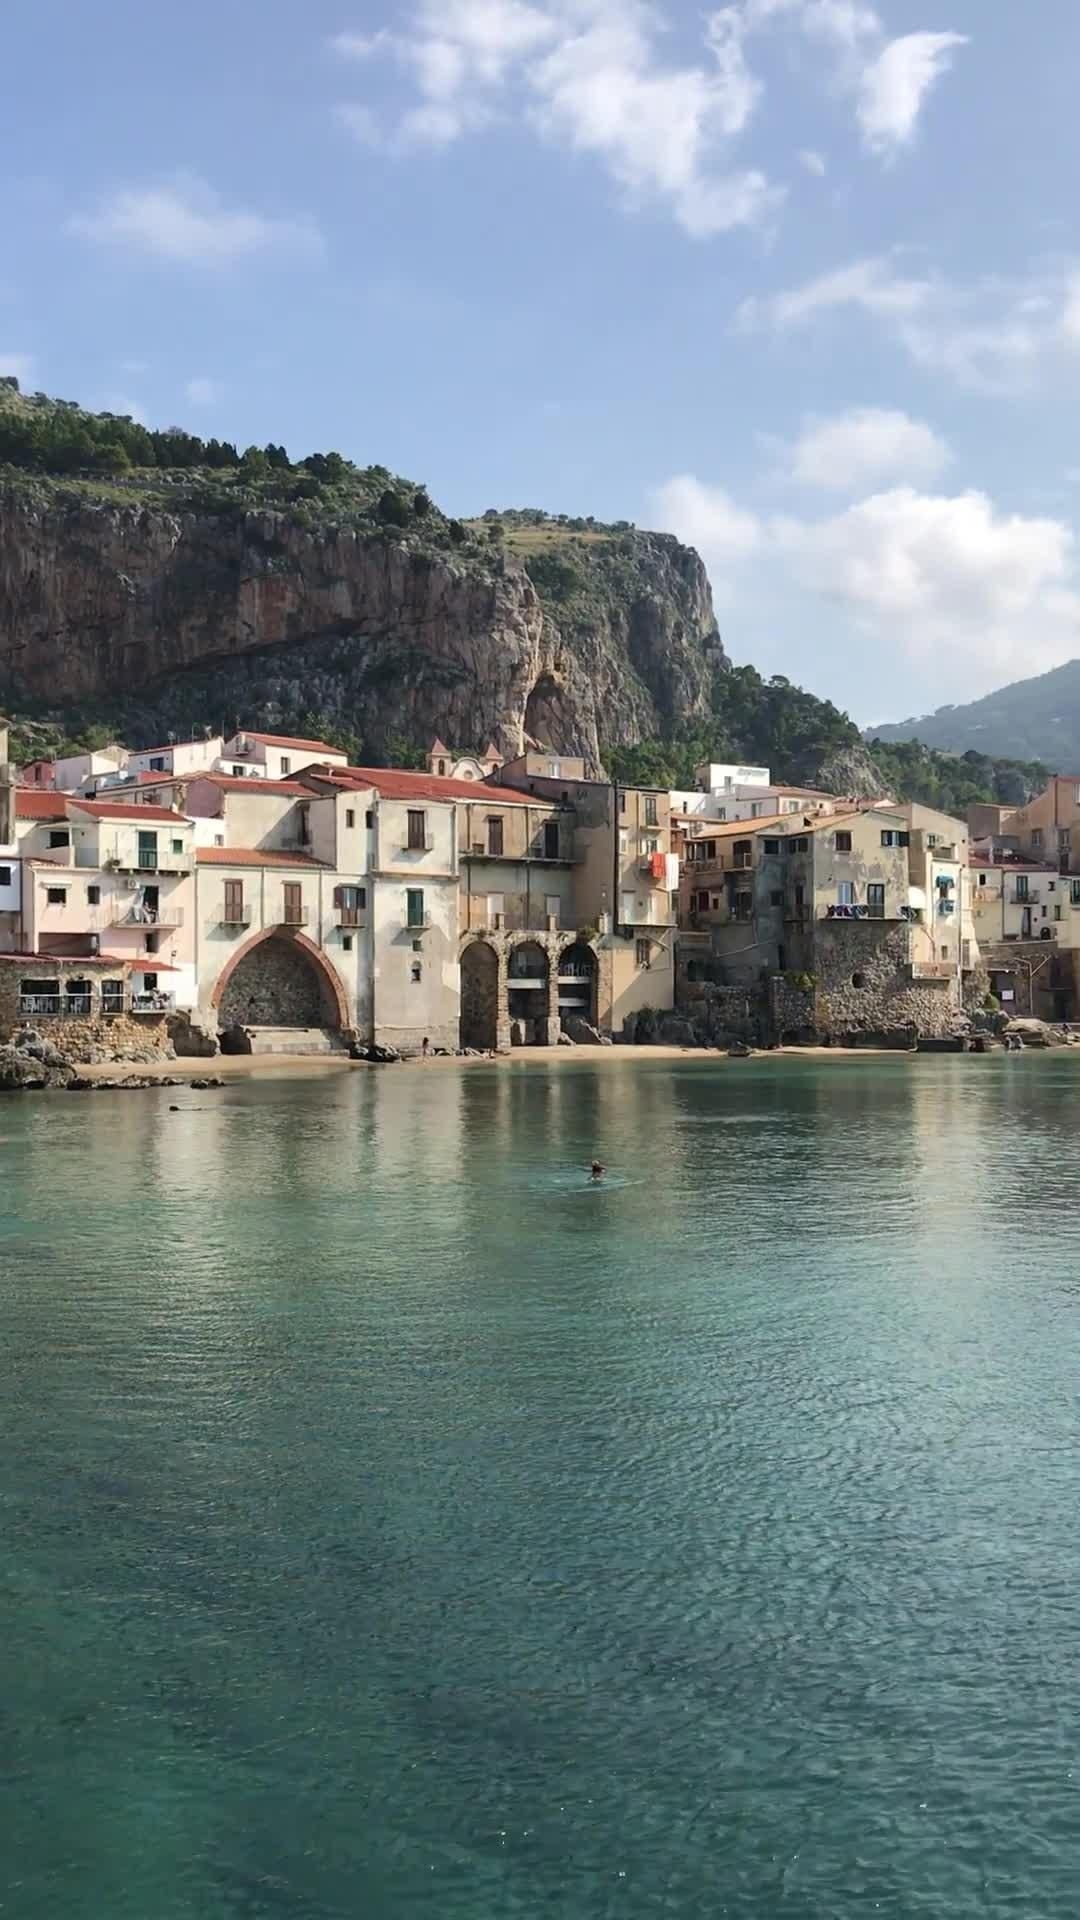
x=1028 y=899
x=236 y=916
x=847 y=913
x=167 y=916
x=426 y=845
x=294 y=917
x=418 y=923
x=350 y=916
x=152 y=1002
x=33 y=1006
x=933 y=970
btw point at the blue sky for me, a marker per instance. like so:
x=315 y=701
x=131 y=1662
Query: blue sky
x=796 y=279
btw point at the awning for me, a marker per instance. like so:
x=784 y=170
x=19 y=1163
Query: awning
x=149 y=965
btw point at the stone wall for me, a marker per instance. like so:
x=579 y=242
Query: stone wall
x=864 y=984
x=483 y=1015
x=274 y=985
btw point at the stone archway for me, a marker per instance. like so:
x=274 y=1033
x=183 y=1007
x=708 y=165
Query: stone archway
x=576 y=970
x=528 y=986
x=279 y=979
x=479 y=995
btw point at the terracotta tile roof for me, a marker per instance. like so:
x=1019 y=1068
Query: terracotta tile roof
x=230 y=783
x=254 y=857
x=283 y=740
x=398 y=783
x=112 y=810
x=32 y=805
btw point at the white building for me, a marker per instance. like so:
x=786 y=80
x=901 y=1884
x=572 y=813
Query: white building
x=274 y=756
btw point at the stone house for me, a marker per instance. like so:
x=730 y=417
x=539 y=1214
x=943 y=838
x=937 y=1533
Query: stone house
x=626 y=878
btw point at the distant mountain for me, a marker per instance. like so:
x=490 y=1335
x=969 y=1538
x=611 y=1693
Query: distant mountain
x=1035 y=719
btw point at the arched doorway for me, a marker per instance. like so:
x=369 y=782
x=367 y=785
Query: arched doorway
x=479 y=995
x=280 y=979
x=577 y=983
x=527 y=991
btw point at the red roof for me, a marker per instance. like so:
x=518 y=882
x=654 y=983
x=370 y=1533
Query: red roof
x=253 y=857
x=282 y=740
x=396 y=783
x=230 y=783
x=32 y=805
x=108 y=810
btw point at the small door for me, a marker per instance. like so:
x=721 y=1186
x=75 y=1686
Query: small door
x=875 y=900
x=148 y=854
x=294 y=903
x=1025 y=923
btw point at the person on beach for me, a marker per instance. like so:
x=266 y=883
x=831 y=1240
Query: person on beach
x=425 y=1048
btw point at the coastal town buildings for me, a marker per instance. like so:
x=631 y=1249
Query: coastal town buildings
x=732 y=792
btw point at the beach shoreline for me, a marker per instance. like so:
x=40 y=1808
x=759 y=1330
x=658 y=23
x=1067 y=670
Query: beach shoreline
x=269 y=1066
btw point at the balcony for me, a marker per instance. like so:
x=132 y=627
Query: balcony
x=350 y=916
x=152 y=1003
x=1028 y=899
x=65 y=1006
x=847 y=913
x=235 y=917
x=933 y=970
x=294 y=917
x=427 y=845
x=167 y=916
x=418 y=924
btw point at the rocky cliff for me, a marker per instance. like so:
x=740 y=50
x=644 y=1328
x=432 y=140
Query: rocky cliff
x=166 y=620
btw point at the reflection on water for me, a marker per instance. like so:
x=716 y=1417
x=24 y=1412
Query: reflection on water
x=397 y=1523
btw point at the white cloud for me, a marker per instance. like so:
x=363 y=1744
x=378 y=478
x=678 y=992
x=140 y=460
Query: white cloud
x=18 y=366
x=989 y=335
x=812 y=161
x=186 y=222
x=200 y=391
x=894 y=85
x=586 y=75
x=946 y=583
x=865 y=446
x=707 y=518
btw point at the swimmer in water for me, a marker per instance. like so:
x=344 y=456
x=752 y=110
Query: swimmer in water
x=597 y=1172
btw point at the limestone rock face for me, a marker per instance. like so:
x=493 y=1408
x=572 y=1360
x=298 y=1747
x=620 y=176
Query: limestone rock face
x=168 y=620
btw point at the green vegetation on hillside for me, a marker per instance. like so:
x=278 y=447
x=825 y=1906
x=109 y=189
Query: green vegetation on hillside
x=781 y=726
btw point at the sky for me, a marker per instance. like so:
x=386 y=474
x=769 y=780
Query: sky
x=797 y=280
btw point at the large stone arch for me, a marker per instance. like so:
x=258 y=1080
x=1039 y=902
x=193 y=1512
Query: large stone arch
x=287 y=946
x=480 y=968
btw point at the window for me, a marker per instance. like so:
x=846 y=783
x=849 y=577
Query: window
x=178 y=846
x=799 y=844
x=157 y=763
x=350 y=816
x=755 y=809
x=233 y=910
x=1074 y=893
x=931 y=839
x=551 y=839
x=417 y=830
x=219 y=839
x=286 y=763
x=417 y=972
x=552 y=906
x=622 y=803
x=708 y=850
x=965 y=954
x=721 y=813
x=55 y=896
x=944 y=952
x=554 y=769
x=771 y=846
x=889 y=837
x=60 y=838
x=1022 y=887
x=239 y=772
x=845 y=893
x=292 y=898
x=1036 y=836
x=442 y=769
x=349 y=903
x=800 y=894
x=744 y=903
x=700 y=902
x=650 y=843
x=776 y=899
x=414 y=905
x=147 y=852
x=643 y=952
x=1051 y=887
x=651 y=817
x=112 y=996
x=875 y=900
x=496 y=907
x=742 y=853
x=1057 y=913
x=495 y=835
x=627 y=908
x=346 y=943
x=93 y=895
x=5 y=876
x=843 y=843
x=369 y=819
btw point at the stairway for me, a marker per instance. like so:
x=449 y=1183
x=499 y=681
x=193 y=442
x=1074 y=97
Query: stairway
x=295 y=1040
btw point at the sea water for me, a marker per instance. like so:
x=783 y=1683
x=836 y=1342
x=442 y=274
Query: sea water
x=395 y=1523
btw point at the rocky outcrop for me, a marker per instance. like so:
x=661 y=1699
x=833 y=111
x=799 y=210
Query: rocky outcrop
x=163 y=619
x=851 y=772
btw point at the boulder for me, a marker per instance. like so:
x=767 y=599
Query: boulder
x=565 y=1040
x=738 y=1050
x=581 y=1032
x=201 y=1086
x=190 y=1038
x=24 y=1073
x=377 y=1056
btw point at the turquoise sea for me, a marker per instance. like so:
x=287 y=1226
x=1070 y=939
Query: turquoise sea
x=393 y=1524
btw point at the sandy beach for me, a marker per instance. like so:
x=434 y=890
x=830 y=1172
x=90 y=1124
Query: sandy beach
x=285 y=1066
